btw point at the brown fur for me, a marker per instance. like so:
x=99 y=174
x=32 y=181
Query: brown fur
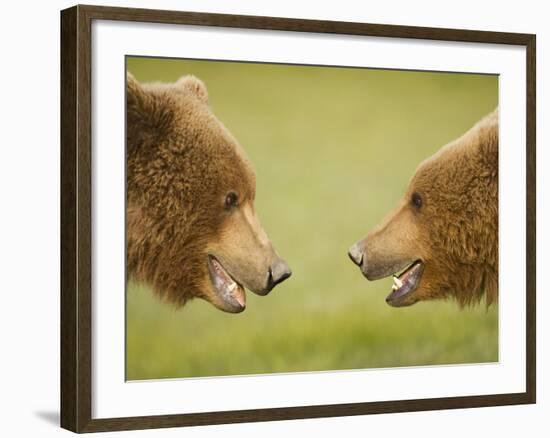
x=181 y=163
x=455 y=232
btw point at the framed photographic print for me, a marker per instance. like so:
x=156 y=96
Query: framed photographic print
x=269 y=218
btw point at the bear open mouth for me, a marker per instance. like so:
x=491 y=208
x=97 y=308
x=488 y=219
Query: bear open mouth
x=405 y=283
x=228 y=289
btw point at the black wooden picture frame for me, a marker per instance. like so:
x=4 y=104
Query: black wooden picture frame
x=76 y=217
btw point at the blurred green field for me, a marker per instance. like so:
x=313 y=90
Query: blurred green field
x=333 y=150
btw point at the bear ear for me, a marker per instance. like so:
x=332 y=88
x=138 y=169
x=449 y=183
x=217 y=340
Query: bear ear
x=487 y=132
x=136 y=96
x=195 y=86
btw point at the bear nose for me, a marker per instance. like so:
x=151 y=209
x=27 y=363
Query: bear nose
x=356 y=254
x=278 y=272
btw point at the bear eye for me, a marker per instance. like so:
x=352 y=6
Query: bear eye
x=231 y=200
x=416 y=200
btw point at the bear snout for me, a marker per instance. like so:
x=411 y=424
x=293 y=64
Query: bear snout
x=356 y=254
x=373 y=265
x=279 y=271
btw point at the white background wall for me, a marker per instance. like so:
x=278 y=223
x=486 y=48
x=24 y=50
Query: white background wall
x=29 y=216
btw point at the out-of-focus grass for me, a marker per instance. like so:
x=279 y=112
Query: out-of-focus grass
x=333 y=150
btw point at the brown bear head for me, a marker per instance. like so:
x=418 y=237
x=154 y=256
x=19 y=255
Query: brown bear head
x=192 y=230
x=441 y=240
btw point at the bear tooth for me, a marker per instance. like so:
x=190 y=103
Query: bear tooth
x=232 y=287
x=394 y=287
x=397 y=282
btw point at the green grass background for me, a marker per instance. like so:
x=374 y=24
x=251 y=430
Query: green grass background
x=333 y=150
